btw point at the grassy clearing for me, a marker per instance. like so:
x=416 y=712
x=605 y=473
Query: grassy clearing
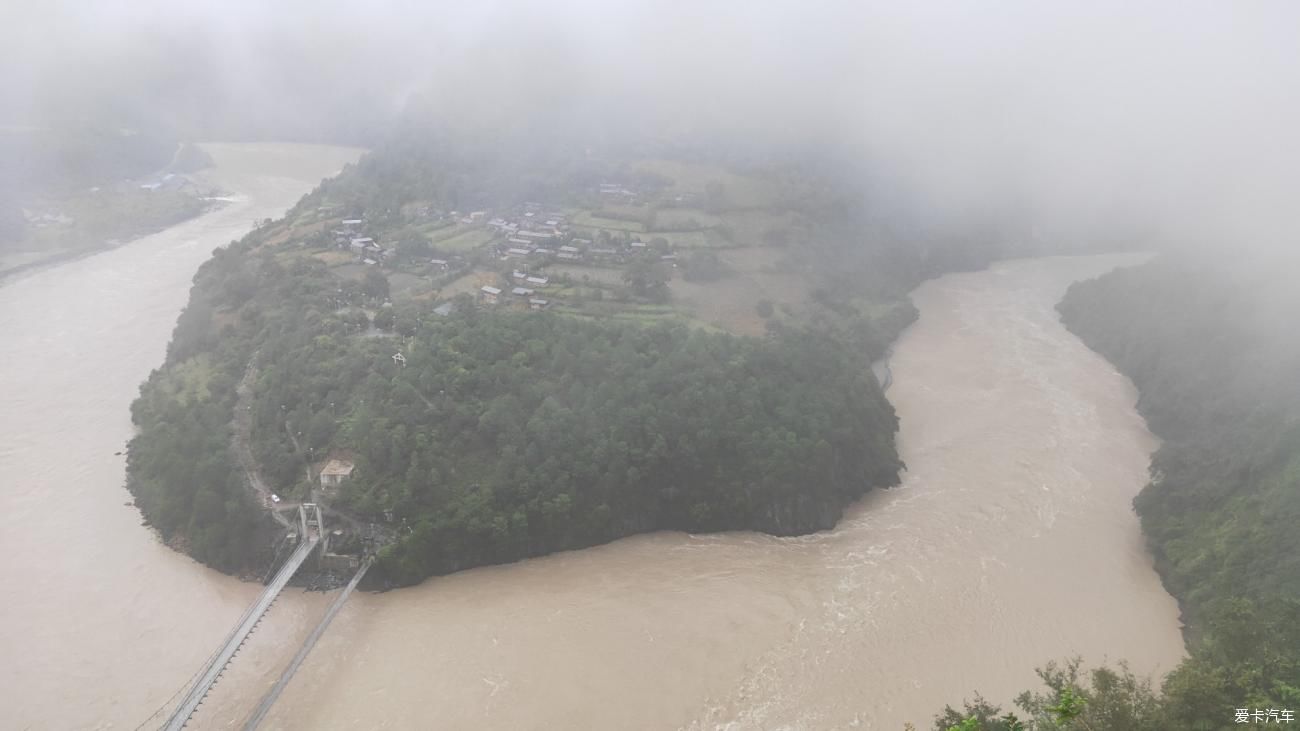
x=462 y=238
x=684 y=219
x=353 y=271
x=690 y=239
x=588 y=219
x=739 y=191
x=757 y=259
x=751 y=227
x=469 y=283
x=631 y=214
x=334 y=257
x=731 y=303
x=596 y=275
x=404 y=286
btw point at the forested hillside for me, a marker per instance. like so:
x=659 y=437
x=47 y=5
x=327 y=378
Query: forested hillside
x=504 y=432
x=1214 y=352
x=1212 y=346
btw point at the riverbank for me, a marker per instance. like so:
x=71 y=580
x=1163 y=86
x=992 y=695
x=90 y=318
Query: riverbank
x=880 y=368
x=117 y=619
x=17 y=264
x=1024 y=452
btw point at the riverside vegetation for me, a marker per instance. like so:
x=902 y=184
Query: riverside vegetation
x=67 y=191
x=507 y=433
x=1211 y=346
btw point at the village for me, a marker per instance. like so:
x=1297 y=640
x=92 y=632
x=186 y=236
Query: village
x=629 y=251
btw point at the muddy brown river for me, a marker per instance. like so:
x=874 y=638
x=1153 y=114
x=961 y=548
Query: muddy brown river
x=1011 y=541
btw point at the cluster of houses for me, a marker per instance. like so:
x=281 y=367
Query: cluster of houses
x=530 y=232
x=538 y=235
x=524 y=291
x=531 y=235
x=350 y=237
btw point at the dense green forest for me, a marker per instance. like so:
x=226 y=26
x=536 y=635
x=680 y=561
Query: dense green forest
x=1211 y=345
x=506 y=434
x=511 y=435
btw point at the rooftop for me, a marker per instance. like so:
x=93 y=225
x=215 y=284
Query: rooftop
x=337 y=468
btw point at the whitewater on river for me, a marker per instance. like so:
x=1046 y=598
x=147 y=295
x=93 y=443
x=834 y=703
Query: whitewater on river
x=1011 y=541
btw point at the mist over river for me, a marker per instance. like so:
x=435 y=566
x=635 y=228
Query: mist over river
x=1011 y=541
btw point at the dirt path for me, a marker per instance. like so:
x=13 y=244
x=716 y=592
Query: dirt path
x=241 y=443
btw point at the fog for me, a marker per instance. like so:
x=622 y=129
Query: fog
x=1166 y=121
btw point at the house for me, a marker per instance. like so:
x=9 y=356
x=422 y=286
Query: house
x=569 y=250
x=516 y=274
x=353 y=222
x=517 y=252
x=538 y=304
x=542 y=251
x=335 y=473
x=440 y=264
x=490 y=294
x=568 y=256
x=637 y=246
x=522 y=292
x=538 y=235
x=477 y=215
x=538 y=281
x=519 y=242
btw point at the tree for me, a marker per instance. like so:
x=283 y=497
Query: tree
x=414 y=248
x=647 y=279
x=374 y=284
x=704 y=266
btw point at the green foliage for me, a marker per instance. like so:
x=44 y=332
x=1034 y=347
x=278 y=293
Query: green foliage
x=374 y=284
x=647 y=279
x=1105 y=699
x=703 y=265
x=506 y=435
x=1210 y=346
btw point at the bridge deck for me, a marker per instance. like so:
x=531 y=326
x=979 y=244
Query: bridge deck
x=269 y=699
x=212 y=671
